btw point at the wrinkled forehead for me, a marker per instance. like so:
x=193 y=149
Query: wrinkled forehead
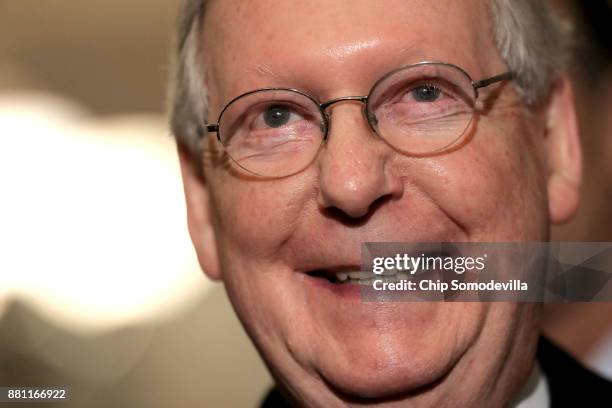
x=258 y=43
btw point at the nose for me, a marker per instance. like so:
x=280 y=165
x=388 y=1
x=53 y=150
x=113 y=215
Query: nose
x=355 y=168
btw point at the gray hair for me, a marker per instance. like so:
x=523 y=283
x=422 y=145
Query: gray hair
x=532 y=40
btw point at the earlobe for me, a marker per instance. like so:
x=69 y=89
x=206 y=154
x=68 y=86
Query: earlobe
x=564 y=153
x=198 y=215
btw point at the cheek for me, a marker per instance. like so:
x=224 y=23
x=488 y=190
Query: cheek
x=494 y=185
x=254 y=218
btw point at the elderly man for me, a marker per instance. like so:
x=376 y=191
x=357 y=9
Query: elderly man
x=307 y=128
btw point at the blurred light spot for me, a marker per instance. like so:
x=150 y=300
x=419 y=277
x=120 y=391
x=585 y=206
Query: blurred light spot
x=92 y=218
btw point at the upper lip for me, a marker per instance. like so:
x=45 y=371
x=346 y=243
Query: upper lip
x=331 y=252
x=329 y=264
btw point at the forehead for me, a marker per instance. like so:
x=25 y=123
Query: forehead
x=259 y=43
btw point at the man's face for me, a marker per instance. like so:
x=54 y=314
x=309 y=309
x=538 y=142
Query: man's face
x=321 y=342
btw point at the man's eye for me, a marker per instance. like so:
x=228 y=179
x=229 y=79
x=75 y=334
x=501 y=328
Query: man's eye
x=426 y=93
x=276 y=116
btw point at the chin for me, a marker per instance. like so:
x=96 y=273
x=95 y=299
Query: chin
x=387 y=381
x=414 y=347
x=320 y=337
x=372 y=352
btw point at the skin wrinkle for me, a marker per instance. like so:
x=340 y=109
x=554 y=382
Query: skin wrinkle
x=437 y=169
x=269 y=232
x=260 y=69
x=341 y=52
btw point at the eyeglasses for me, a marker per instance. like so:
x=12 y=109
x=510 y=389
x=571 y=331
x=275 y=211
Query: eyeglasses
x=419 y=110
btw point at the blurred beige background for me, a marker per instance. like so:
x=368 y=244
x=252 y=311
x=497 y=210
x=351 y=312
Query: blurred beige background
x=108 y=55
x=99 y=286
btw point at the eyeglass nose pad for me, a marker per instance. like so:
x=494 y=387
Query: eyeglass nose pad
x=371 y=118
x=325 y=125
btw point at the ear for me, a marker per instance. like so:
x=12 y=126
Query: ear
x=564 y=153
x=198 y=215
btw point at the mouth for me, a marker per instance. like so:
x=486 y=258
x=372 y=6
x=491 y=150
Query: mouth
x=346 y=276
x=354 y=275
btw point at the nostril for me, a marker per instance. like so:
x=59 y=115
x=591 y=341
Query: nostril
x=342 y=217
x=354 y=219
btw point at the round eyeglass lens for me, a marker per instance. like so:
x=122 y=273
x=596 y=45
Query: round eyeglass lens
x=272 y=133
x=424 y=108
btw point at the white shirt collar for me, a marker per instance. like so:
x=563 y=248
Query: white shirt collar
x=535 y=393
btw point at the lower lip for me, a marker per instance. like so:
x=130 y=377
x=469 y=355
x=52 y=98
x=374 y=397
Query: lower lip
x=348 y=291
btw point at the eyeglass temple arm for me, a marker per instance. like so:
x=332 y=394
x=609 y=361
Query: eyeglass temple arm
x=488 y=81
x=212 y=127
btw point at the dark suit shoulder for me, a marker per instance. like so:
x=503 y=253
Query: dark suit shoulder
x=569 y=382
x=274 y=399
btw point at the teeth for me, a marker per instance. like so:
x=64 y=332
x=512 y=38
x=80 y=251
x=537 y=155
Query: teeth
x=401 y=275
x=353 y=275
x=390 y=272
x=360 y=275
x=367 y=278
x=366 y=282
